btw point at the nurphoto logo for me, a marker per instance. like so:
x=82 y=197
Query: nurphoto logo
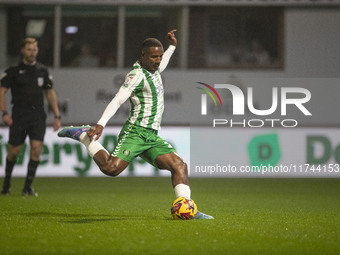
x=240 y=101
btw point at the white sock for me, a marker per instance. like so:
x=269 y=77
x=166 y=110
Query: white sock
x=182 y=190
x=92 y=146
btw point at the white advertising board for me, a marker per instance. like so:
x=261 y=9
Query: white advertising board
x=268 y=152
x=209 y=152
x=67 y=157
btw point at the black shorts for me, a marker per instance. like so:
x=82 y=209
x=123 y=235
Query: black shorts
x=31 y=123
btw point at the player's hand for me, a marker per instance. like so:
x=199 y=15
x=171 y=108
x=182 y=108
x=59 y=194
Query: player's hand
x=7 y=119
x=171 y=38
x=95 y=132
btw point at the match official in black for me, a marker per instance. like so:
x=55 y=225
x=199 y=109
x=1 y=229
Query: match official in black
x=27 y=81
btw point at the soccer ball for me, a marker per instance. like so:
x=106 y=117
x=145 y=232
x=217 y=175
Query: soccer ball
x=183 y=209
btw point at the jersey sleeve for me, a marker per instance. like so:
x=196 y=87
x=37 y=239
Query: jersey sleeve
x=122 y=95
x=166 y=57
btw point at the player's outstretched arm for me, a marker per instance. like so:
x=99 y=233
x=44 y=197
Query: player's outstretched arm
x=171 y=38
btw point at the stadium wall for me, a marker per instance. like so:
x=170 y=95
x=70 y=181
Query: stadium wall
x=311 y=43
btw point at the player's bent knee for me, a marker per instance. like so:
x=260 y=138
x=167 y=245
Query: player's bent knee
x=109 y=172
x=112 y=169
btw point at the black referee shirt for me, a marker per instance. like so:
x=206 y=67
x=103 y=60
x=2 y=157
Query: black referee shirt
x=27 y=84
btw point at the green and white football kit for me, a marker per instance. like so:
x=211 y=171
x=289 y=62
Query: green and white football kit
x=145 y=91
x=139 y=135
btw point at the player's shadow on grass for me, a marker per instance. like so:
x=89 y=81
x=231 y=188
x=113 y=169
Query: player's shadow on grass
x=82 y=221
x=82 y=218
x=73 y=217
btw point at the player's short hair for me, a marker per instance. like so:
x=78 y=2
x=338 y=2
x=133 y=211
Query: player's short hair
x=28 y=40
x=151 y=42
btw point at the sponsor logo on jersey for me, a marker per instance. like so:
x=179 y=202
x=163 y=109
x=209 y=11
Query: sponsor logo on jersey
x=128 y=80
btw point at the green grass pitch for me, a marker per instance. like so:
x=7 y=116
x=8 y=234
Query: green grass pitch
x=130 y=215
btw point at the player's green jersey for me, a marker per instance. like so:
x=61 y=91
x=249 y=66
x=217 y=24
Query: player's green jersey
x=147 y=97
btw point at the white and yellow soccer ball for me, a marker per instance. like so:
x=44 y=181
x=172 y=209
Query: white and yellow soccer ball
x=183 y=209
